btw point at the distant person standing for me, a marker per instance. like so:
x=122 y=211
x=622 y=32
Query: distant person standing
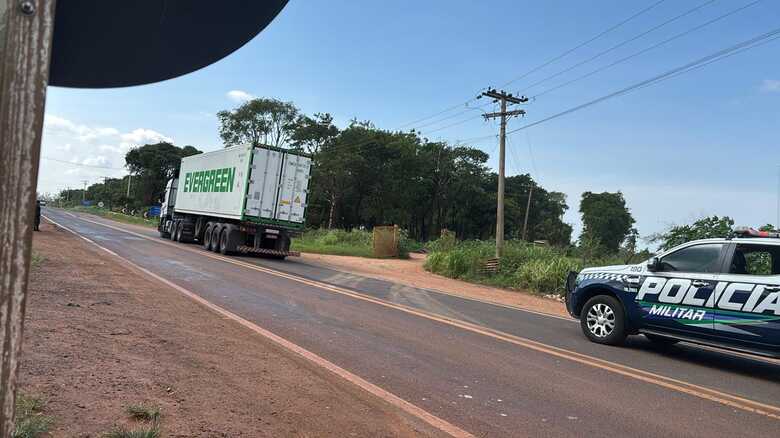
x=37 y=216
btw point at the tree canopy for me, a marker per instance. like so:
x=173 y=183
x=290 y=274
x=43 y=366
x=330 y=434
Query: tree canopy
x=606 y=220
x=154 y=165
x=258 y=122
x=704 y=228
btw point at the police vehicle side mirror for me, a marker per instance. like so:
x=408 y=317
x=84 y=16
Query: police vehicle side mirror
x=654 y=264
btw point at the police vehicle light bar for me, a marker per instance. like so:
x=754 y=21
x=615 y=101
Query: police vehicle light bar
x=752 y=232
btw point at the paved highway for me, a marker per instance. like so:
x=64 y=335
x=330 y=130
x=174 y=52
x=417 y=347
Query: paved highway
x=490 y=370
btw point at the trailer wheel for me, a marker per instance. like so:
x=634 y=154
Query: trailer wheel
x=216 y=230
x=207 y=236
x=223 y=241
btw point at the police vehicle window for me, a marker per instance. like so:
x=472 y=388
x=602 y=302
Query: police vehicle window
x=756 y=260
x=699 y=258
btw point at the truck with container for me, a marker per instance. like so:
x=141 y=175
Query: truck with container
x=241 y=199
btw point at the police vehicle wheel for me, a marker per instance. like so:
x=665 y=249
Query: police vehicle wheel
x=603 y=320
x=661 y=340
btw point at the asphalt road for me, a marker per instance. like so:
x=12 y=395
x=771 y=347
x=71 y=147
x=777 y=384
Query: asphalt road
x=489 y=369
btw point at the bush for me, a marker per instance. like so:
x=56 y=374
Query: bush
x=548 y=276
x=538 y=268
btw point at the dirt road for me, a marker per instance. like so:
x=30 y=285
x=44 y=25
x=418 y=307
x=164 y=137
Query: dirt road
x=99 y=336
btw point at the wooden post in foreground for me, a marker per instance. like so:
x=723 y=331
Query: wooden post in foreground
x=26 y=28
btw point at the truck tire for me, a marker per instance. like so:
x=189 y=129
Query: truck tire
x=207 y=236
x=229 y=239
x=174 y=230
x=179 y=230
x=164 y=234
x=216 y=232
x=603 y=320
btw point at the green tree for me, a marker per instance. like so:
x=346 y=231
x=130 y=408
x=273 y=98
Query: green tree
x=703 y=228
x=312 y=133
x=258 y=122
x=606 y=220
x=153 y=165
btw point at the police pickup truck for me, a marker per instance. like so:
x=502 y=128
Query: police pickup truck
x=718 y=292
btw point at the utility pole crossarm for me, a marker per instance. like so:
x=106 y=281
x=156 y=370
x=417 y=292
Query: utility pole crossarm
x=507 y=113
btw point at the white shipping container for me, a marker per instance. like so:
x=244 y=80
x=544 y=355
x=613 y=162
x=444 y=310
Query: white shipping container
x=245 y=183
x=214 y=183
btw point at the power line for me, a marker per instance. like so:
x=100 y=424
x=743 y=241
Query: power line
x=562 y=55
x=647 y=49
x=83 y=165
x=541 y=66
x=717 y=56
x=619 y=45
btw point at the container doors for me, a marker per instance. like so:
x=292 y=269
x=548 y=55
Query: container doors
x=263 y=183
x=293 y=188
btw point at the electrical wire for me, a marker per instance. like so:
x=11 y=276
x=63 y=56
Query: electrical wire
x=647 y=49
x=618 y=45
x=701 y=62
x=541 y=66
x=567 y=52
x=84 y=165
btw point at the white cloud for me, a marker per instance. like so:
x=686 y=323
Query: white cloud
x=86 y=145
x=770 y=86
x=82 y=133
x=140 y=137
x=239 y=96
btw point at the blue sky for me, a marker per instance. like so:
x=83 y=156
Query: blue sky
x=706 y=142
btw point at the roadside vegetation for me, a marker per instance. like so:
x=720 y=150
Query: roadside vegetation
x=543 y=268
x=30 y=422
x=147 y=415
x=35 y=260
x=537 y=268
x=117 y=216
x=357 y=243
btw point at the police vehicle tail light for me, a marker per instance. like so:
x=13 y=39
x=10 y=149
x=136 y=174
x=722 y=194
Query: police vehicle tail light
x=752 y=232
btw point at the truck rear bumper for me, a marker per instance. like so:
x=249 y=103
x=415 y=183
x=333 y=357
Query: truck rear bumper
x=245 y=249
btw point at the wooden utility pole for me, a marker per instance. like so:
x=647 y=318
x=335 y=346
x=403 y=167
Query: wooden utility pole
x=26 y=29
x=503 y=97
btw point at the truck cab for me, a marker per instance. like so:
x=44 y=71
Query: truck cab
x=166 y=209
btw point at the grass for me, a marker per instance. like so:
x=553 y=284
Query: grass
x=336 y=242
x=30 y=421
x=36 y=260
x=357 y=243
x=139 y=412
x=145 y=431
x=108 y=214
x=143 y=412
x=540 y=269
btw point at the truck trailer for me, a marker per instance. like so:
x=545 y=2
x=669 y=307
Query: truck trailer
x=241 y=199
